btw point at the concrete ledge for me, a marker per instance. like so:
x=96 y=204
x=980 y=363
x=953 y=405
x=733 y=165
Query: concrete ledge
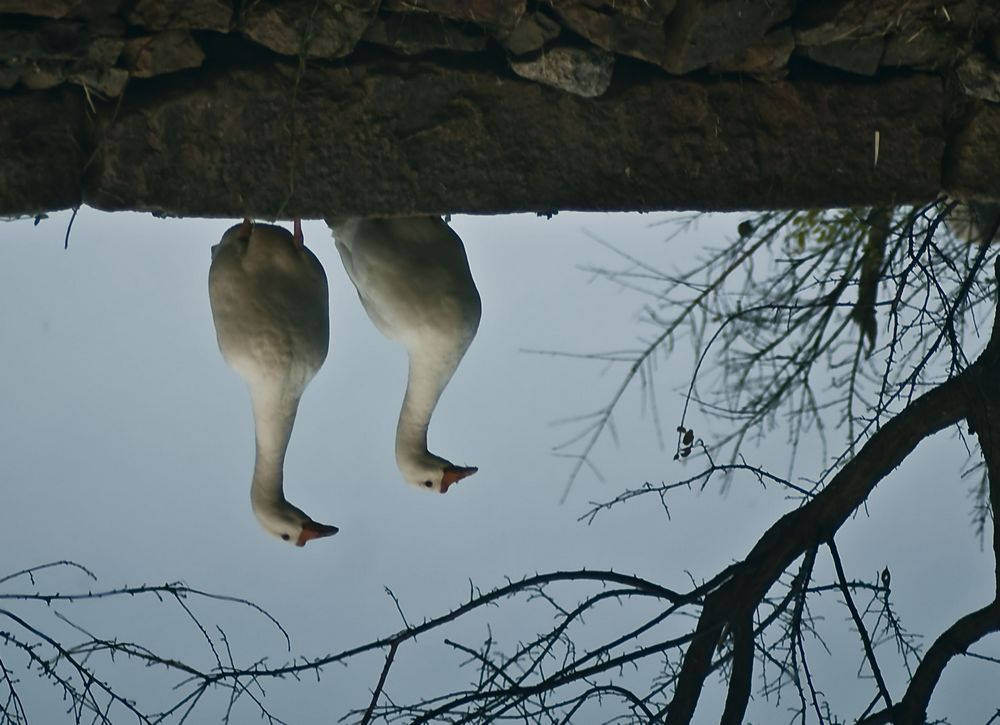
x=420 y=138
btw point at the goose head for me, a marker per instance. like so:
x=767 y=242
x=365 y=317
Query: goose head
x=432 y=473
x=289 y=523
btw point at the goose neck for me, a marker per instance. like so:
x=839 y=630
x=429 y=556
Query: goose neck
x=427 y=378
x=274 y=416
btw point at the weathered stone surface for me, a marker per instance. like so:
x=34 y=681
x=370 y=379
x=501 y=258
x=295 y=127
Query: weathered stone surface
x=854 y=55
x=966 y=15
x=107 y=82
x=766 y=60
x=700 y=32
x=614 y=31
x=532 y=31
x=56 y=51
x=97 y=43
x=502 y=14
x=416 y=33
x=38 y=75
x=182 y=14
x=61 y=8
x=319 y=28
x=42 y=151
x=463 y=132
x=926 y=48
x=826 y=21
x=970 y=170
x=581 y=71
x=420 y=138
x=167 y=52
x=41 y=76
x=648 y=10
x=980 y=77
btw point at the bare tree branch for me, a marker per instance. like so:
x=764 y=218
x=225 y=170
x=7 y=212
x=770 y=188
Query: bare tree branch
x=859 y=623
x=381 y=683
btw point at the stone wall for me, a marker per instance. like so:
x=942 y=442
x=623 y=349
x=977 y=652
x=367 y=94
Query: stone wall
x=333 y=107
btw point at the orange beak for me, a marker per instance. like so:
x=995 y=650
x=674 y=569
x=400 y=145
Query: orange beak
x=313 y=530
x=297 y=233
x=455 y=473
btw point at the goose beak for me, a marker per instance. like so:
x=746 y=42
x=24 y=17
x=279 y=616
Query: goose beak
x=313 y=530
x=455 y=473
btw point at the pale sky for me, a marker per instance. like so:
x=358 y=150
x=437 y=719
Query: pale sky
x=126 y=444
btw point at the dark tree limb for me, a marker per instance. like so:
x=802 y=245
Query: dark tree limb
x=981 y=389
x=953 y=641
x=816 y=522
x=741 y=677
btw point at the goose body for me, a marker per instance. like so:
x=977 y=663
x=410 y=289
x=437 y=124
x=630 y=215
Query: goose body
x=270 y=305
x=413 y=279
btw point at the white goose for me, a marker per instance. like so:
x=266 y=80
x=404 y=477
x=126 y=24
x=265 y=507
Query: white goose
x=271 y=309
x=413 y=279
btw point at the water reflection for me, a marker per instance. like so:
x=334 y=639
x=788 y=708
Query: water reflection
x=412 y=276
x=270 y=305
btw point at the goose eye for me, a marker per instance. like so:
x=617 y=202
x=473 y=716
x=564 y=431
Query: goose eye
x=285 y=537
x=429 y=484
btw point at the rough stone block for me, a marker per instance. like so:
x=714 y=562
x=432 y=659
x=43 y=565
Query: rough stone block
x=583 y=72
x=494 y=14
x=861 y=56
x=416 y=33
x=321 y=28
x=40 y=76
x=530 y=34
x=61 y=8
x=153 y=55
x=96 y=44
x=614 y=31
x=214 y=15
x=55 y=51
x=766 y=60
x=648 y=10
x=979 y=77
x=924 y=48
x=700 y=32
x=828 y=21
x=106 y=82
